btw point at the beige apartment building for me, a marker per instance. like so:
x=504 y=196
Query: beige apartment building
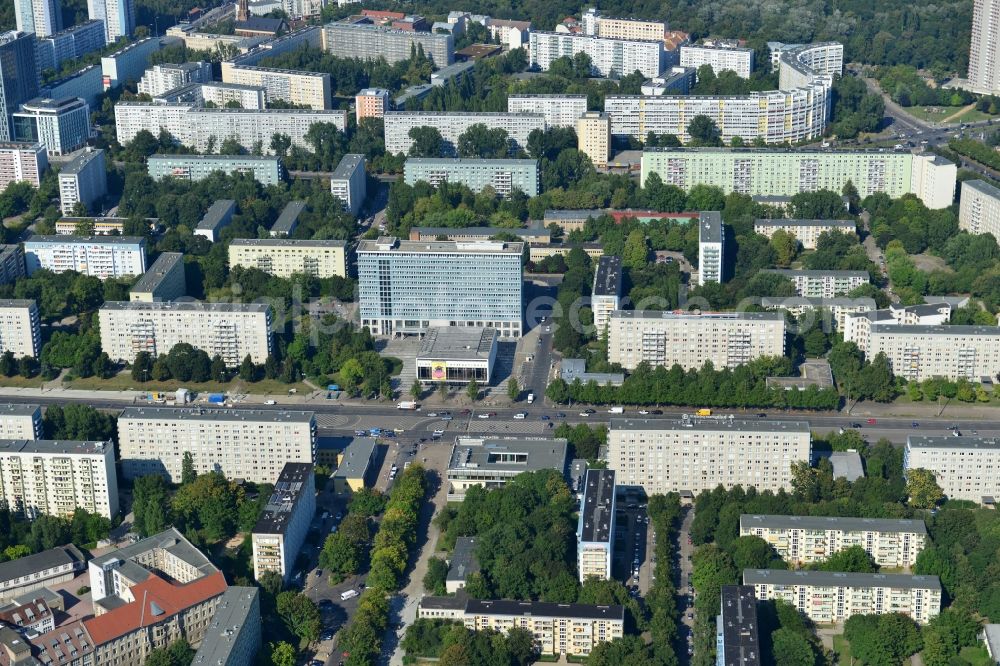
x=979 y=208
x=840 y=308
x=622 y=28
x=310 y=89
x=807 y=232
x=19 y=421
x=20 y=328
x=55 y=478
x=230 y=330
x=285 y=257
x=593 y=133
x=826 y=596
x=240 y=443
x=695 y=454
x=822 y=284
x=966 y=468
x=688 y=339
x=807 y=539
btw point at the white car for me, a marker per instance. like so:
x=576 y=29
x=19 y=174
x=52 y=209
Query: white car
x=644 y=411
x=584 y=414
x=520 y=416
x=438 y=433
x=270 y=402
x=482 y=416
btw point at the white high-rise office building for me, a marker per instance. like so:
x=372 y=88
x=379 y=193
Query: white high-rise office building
x=61 y=125
x=41 y=17
x=118 y=17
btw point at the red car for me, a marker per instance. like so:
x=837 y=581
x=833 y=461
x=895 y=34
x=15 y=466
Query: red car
x=871 y=421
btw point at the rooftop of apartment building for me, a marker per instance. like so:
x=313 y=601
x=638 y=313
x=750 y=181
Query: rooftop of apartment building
x=892 y=525
x=85 y=240
x=597 y=511
x=608 y=277
x=348 y=164
x=463 y=561
x=43 y=561
x=191 y=306
x=458 y=343
x=945 y=330
x=228 y=619
x=710 y=227
x=288 y=490
x=285 y=242
x=466 y=161
x=130 y=47
x=511 y=454
x=794 y=272
x=171 y=541
x=215 y=158
x=817 y=301
x=473 y=114
x=78 y=163
x=356 y=458
x=544 y=609
x=21 y=145
x=159 y=270
x=580 y=35
x=553 y=96
x=779 y=222
x=18 y=409
x=960 y=442
x=740 y=631
x=983 y=187
x=896 y=310
x=874 y=152
x=536 y=232
x=391 y=244
x=282 y=70
x=225 y=415
x=288 y=218
x=847 y=464
x=711 y=424
x=696 y=315
x=215 y=214
x=839 y=579
x=53 y=447
x=16 y=303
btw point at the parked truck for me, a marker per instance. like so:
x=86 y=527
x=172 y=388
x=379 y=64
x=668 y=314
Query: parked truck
x=408 y=404
x=616 y=410
x=704 y=412
x=531 y=398
x=349 y=594
x=216 y=398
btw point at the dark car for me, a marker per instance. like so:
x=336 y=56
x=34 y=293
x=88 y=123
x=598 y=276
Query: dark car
x=762 y=415
x=855 y=425
x=561 y=415
x=656 y=411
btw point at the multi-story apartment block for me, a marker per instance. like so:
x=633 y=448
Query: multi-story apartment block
x=371 y=42
x=62 y=126
x=118 y=17
x=49 y=567
x=822 y=284
x=808 y=539
x=99 y=256
x=608 y=57
x=159 y=79
x=218 y=216
x=964 y=467
x=233 y=637
x=18 y=77
x=984 y=49
x=621 y=28
x=288 y=220
x=53 y=50
x=20 y=328
x=452 y=124
x=372 y=103
x=737 y=638
x=55 y=478
x=22 y=161
x=825 y=596
x=689 y=339
x=593 y=135
x=285 y=257
x=218 y=94
x=230 y=330
x=559 y=110
x=807 y=232
x=670 y=455
x=720 y=58
x=266 y=170
x=163 y=281
x=311 y=89
x=11 y=263
x=504 y=176
x=788 y=172
x=595 y=530
x=979 y=208
x=558 y=629
x=282 y=527
x=492 y=462
x=20 y=421
x=128 y=63
x=839 y=309
x=41 y=17
x=258 y=442
x=406 y=287
x=607 y=293
x=711 y=248
x=535 y=235
x=197 y=127
x=87 y=84
x=84 y=180
x=858 y=328
x=349 y=183
x=453 y=73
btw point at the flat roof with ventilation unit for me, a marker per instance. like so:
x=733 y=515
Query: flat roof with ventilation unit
x=598 y=507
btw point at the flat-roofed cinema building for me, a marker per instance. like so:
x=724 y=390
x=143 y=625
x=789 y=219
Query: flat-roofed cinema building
x=595 y=530
x=964 y=467
x=737 y=637
x=230 y=330
x=285 y=257
x=695 y=454
x=807 y=232
x=20 y=421
x=457 y=355
x=282 y=527
x=163 y=281
x=491 y=462
x=807 y=539
x=727 y=339
x=258 y=443
x=354 y=465
x=826 y=596
x=20 y=327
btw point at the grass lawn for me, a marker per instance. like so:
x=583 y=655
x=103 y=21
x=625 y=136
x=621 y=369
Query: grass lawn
x=933 y=114
x=842 y=648
x=124 y=382
x=22 y=382
x=974 y=116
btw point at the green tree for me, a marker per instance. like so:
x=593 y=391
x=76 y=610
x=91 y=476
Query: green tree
x=792 y=649
x=436 y=576
x=247 y=369
x=513 y=390
x=854 y=559
x=922 y=489
x=483 y=142
x=786 y=247
x=636 y=251
x=472 y=390
x=142 y=366
x=299 y=615
x=703 y=131
x=282 y=654
x=416 y=390
x=427 y=142
x=150 y=504
x=271 y=583
x=188 y=472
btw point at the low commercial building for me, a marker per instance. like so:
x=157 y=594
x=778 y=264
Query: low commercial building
x=719 y=58
x=573 y=369
x=608 y=57
x=593 y=134
x=288 y=220
x=825 y=596
x=349 y=183
x=492 y=462
x=808 y=539
x=452 y=124
x=372 y=103
x=457 y=355
x=233 y=636
x=153 y=440
x=504 y=176
x=164 y=281
x=84 y=180
x=216 y=218
x=159 y=79
x=534 y=235
x=266 y=170
x=371 y=42
x=737 y=636
x=964 y=467
x=354 y=465
x=807 y=232
x=689 y=339
x=606 y=296
x=833 y=312
x=20 y=327
x=62 y=126
x=559 y=110
x=595 y=530
x=285 y=257
x=98 y=256
x=20 y=421
x=22 y=161
x=711 y=248
x=33 y=572
x=55 y=478
x=11 y=263
x=822 y=284
x=462 y=564
x=282 y=527
x=847 y=464
x=979 y=208
x=231 y=331
x=540 y=252
x=696 y=454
